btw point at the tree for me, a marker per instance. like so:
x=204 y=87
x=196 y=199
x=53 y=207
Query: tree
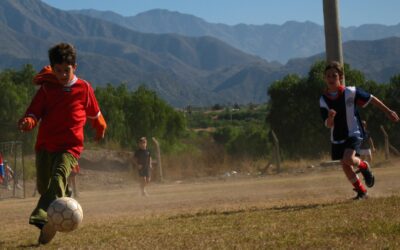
x=17 y=90
x=112 y=101
x=131 y=115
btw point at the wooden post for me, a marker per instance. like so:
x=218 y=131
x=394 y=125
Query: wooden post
x=23 y=168
x=276 y=151
x=333 y=39
x=158 y=158
x=386 y=137
x=396 y=152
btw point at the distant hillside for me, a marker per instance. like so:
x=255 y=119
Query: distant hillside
x=175 y=66
x=272 y=42
x=379 y=60
x=183 y=70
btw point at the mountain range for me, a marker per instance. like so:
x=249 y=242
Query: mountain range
x=269 y=41
x=182 y=69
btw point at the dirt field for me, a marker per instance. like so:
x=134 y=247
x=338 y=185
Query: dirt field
x=106 y=195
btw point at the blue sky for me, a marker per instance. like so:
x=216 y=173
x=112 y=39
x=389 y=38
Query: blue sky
x=352 y=12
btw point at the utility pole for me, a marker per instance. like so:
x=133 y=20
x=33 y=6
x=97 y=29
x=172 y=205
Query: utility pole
x=333 y=39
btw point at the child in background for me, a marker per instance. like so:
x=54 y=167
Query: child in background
x=60 y=107
x=72 y=190
x=338 y=107
x=2 y=170
x=143 y=161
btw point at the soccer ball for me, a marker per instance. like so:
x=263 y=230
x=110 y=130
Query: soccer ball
x=65 y=214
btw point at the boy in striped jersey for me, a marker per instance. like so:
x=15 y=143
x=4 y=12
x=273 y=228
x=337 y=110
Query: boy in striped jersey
x=339 y=112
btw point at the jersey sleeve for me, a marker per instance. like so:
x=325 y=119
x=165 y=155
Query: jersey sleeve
x=92 y=107
x=362 y=97
x=37 y=106
x=324 y=109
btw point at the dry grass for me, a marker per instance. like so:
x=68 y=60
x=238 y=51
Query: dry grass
x=368 y=224
x=298 y=209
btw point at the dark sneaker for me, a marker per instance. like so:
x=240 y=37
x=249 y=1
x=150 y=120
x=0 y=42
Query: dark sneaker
x=360 y=195
x=369 y=178
x=47 y=234
x=37 y=224
x=38 y=218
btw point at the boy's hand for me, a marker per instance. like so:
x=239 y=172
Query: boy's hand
x=331 y=113
x=27 y=123
x=393 y=116
x=331 y=116
x=100 y=125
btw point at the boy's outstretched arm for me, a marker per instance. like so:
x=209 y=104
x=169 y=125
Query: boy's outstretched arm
x=391 y=114
x=100 y=125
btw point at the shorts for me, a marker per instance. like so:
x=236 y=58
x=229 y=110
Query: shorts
x=144 y=171
x=350 y=143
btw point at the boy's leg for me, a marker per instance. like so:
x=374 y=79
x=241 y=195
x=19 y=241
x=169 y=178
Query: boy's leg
x=61 y=165
x=342 y=152
x=144 y=179
x=147 y=178
x=350 y=157
x=362 y=166
x=348 y=161
x=142 y=185
x=43 y=172
x=355 y=181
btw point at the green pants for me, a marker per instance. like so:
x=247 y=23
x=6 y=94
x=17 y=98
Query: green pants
x=52 y=171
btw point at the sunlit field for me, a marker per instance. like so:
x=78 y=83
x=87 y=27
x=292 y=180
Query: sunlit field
x=289 y=210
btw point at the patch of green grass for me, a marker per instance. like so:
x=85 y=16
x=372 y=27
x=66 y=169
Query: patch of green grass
x=367 y=224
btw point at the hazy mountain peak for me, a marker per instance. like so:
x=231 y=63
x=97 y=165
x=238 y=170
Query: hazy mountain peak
x=196 y=67
x=164 y=12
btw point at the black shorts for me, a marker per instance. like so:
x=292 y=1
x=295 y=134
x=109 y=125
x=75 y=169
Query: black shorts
x=350 y=143
x=144 y=171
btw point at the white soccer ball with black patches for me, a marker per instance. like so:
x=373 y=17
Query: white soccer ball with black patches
x=65 y=214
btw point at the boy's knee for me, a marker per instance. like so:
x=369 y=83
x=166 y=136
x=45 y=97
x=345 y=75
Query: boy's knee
x=350 y=161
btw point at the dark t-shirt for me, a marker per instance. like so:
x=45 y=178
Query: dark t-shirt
x=143 y=157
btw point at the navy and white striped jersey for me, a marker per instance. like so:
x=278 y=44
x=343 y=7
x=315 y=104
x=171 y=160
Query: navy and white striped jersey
x=347 y=122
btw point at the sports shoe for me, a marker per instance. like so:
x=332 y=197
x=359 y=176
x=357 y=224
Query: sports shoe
x=38 y=218
x=46 y=234
x=360 y=195
x=369 y=178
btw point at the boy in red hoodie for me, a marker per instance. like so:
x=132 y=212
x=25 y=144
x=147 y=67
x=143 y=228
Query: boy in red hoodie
x=60 y=107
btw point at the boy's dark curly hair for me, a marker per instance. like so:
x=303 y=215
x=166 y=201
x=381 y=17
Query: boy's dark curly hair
x=62 y=53
x=334 y=65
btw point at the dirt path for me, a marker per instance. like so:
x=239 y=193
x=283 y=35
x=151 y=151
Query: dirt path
x=317 y=186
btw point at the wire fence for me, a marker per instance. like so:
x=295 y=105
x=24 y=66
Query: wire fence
x=12 y=165
x=12 y=170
